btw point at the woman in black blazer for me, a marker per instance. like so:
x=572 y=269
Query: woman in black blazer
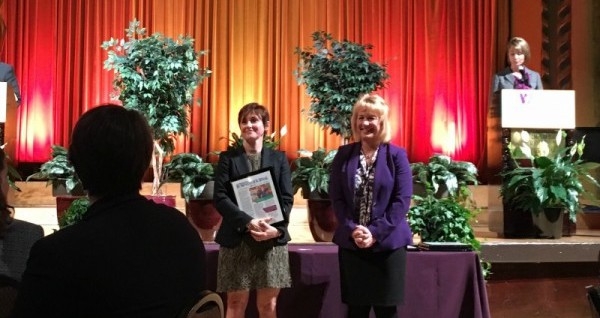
x=253 y=252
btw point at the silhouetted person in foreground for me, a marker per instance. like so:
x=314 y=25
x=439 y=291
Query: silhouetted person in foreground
x=128 y=256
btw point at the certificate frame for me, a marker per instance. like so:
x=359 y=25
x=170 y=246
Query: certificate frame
x=257 y=195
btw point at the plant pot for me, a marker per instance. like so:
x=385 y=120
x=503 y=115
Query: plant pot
x=63 y=202
x=549 y=223
x=168 y=200
x=204 y=217
x=59 y=188
x=517 y=223
x=321 y=219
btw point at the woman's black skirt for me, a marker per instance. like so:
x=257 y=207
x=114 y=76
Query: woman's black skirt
x=372 y=278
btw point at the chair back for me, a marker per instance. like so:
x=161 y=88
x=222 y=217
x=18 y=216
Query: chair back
x=593 y=296
x=9 y=288
x=208 y=305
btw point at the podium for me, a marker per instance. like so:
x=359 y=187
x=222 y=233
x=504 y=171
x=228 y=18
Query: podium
x=8 y=119
x=539 y=113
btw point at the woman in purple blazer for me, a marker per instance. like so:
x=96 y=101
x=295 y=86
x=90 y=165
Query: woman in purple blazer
x=371 y=188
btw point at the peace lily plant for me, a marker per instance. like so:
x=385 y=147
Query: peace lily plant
x=553 y=180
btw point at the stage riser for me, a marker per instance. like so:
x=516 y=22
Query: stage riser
x=546 y=298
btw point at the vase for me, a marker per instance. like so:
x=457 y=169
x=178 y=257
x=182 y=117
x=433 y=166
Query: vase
x=321 y=219
x=168 y=200
x=549 y=223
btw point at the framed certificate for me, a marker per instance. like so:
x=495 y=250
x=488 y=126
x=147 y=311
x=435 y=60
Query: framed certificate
x=257 y=195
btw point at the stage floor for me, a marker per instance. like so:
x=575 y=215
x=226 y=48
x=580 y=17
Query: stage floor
x=36 y=204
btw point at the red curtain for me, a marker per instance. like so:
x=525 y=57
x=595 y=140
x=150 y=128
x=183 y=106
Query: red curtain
x=440 y=55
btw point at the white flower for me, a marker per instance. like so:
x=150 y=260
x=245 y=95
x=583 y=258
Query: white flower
x=516 y=138
x=525 y=136
x=283 y=131
x=542 y=149
x=304 y=153
x=559 y=137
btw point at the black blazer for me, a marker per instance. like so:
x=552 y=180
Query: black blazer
x=14 y=251
x=128 y=257
x=234 y=163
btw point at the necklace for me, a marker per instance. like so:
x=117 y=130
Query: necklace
x=370 y=156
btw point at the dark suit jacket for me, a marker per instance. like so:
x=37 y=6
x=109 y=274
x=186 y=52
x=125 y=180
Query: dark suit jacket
x=14 y=247
x=128 y=257
x=7 y=74
x=505 y=80
x=233 y=163
x=392 y=191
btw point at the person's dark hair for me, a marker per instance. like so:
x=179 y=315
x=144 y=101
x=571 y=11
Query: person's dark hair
x=111 y=148
x=256 y=108
x=6 y=211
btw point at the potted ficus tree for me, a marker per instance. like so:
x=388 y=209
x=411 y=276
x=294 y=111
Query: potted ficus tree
x=60 y=174
x=196 y=178
x=311 y=176
x=156 y=76
x=335 y=73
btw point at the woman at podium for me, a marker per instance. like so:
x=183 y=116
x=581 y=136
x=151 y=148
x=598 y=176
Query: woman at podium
x=516 y=75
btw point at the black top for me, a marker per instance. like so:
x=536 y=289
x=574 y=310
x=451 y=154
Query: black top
x=128 y=257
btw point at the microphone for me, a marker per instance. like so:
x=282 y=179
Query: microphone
x=524 y=75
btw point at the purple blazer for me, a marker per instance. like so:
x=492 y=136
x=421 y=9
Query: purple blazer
x=392 y=191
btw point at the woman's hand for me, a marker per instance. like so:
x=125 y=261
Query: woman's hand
x=363 y=237
x=261 y=230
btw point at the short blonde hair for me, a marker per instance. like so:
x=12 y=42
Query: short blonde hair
x=372 y=103
x=520 y=45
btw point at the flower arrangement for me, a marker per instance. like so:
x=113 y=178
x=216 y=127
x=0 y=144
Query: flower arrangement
x=552 y=181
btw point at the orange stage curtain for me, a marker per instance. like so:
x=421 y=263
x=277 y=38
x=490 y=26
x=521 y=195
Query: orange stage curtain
x=440 y=55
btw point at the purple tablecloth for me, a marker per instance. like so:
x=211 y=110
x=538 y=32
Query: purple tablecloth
x=438 y=284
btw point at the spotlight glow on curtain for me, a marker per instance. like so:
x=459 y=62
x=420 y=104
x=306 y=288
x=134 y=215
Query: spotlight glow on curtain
x=438 y=53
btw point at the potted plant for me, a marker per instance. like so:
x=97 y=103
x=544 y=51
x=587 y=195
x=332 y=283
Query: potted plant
x=551 y=186
x=311 y=175
x=197 y=187
x=74 y=213
x=156 y=76
x=335 y=73
x=60 y=173
x=444 y=220
x=441 y=175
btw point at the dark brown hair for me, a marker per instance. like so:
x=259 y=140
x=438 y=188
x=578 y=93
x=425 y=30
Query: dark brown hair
x=111 y=147
x=256 y=108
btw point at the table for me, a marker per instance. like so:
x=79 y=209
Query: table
x=438 y=284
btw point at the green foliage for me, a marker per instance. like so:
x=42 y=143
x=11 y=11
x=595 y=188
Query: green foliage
x=441 y=220
x=74 y=213
x=446 y=219
x=11 y=172
x=157 y=76
x=311 y=173
x=335 y=74
x=441 y=170
x=57 y=168
x=191 y=171
x=550 y=182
